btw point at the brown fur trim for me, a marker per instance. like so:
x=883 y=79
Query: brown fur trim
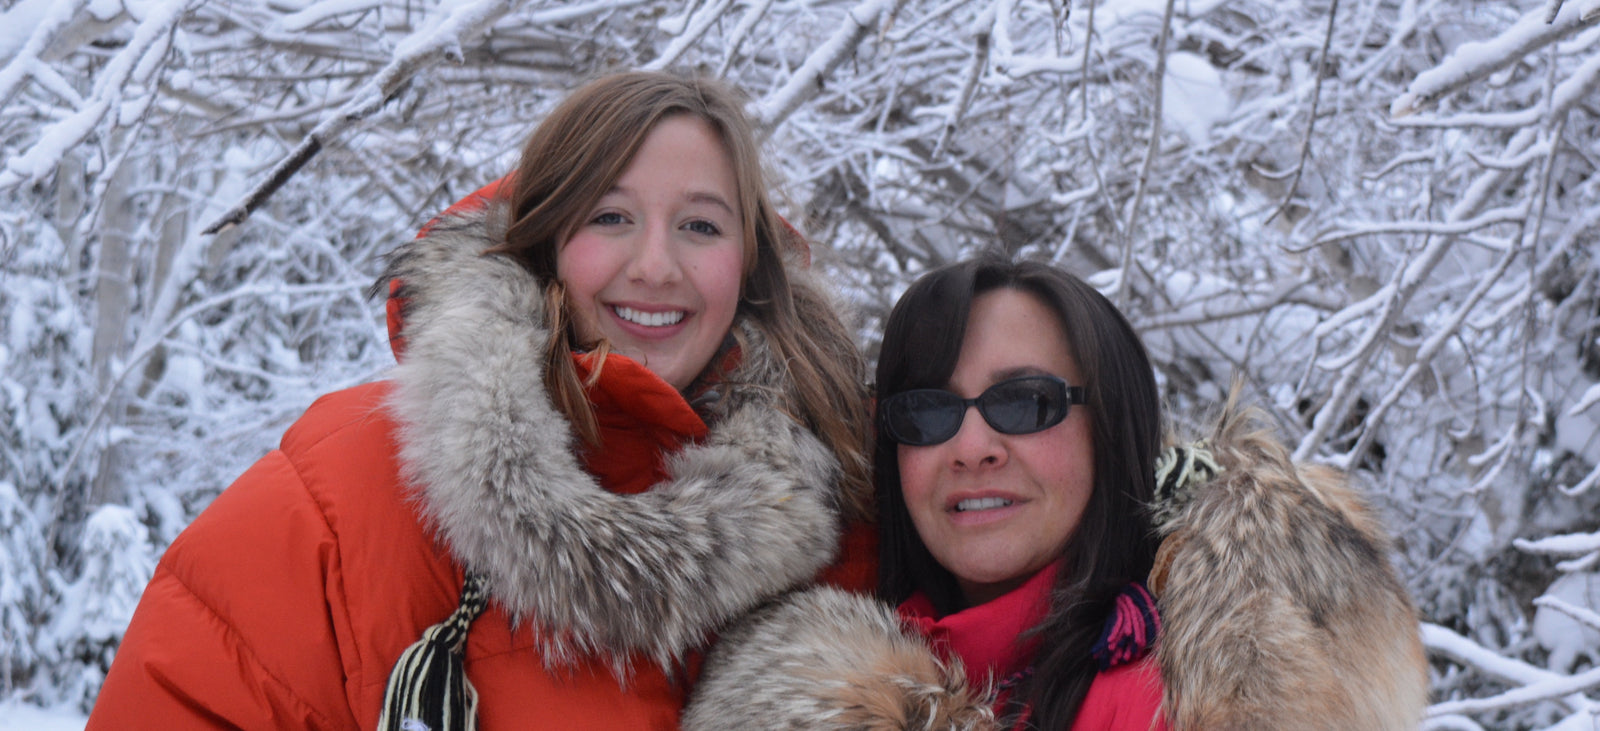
x=827 y=659
x=1163 y=564
x=1280 y=608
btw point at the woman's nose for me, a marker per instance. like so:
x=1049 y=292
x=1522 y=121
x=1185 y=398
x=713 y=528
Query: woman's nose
x=976 y=444
x=655 y=261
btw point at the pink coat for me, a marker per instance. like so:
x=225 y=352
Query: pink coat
x=1126 y=697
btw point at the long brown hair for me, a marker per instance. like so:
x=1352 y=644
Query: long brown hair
x=1114 y=543
x=576 y=155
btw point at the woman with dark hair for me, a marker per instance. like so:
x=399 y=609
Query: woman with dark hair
x=1019 y=426
x=622 y=416
x=1023 y=507
x=1041 y=500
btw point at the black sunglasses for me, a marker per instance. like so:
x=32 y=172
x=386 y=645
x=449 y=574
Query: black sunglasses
x=926 y=416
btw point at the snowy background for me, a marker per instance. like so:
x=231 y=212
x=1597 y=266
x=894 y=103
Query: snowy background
x=1383 y=214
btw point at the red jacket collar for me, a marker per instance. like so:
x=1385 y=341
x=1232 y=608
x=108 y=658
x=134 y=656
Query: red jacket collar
x=642 y=420
x=989 y=638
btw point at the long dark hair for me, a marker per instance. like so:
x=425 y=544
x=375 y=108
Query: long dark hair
x=1114 y=543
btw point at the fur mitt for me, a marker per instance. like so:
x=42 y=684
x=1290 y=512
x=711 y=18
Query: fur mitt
x=826 y=659
x=1279 y=606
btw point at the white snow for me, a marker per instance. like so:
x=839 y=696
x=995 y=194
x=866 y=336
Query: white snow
x=1479 y=58
x=25 y=32
x=1563 y=545
x=18 y=716
x=18 y=22
x=1591 y=396
x=318 y=12
x=1193 y=98
x=1413 y=302
x=1564 y=621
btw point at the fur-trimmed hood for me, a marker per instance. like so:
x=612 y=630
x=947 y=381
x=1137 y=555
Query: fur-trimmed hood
x=750 y=512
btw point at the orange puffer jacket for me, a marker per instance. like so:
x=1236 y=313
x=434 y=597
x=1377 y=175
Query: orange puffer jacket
x=287 y=602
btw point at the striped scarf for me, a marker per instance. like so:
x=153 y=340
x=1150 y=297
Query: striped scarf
x=428 y=688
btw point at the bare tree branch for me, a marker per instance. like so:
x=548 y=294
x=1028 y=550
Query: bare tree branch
x=1150 y=152
x=416 y=53
x=135 y=62
x=1479 y=59
x=809 y=78
x=1311 y=120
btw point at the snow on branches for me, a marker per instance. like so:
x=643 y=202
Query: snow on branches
x=1384 y=221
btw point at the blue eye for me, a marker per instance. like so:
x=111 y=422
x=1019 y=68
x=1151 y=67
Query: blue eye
x=704 y=228
x=608 y=218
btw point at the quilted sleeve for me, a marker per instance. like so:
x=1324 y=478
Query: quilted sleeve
x=236 y=629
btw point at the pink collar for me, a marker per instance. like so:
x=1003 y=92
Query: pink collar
x=989 y=638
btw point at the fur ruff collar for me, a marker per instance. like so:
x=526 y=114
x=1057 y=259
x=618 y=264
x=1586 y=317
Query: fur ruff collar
x=750 y=512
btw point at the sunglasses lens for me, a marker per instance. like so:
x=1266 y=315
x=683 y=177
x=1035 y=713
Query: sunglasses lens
x=922 y=417
x=1024 y=405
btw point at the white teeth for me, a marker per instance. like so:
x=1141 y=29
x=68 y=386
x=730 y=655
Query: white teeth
x=649 y=319
x=982 y=503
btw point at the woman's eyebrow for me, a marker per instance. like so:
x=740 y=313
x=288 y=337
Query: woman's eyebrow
x=694 y=196
x=1018 y=371
x=713 y=199
x=1006 y=374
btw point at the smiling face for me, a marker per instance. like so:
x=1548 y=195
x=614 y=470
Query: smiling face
x=993 y=508
x=655 y=268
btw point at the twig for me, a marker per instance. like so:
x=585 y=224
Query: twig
x=1507 y=214
x=1582 y=615
x=1149 y=159
x=808 y=79
x=1311 y=124
x=1476 y=60
x=969 y=84
x=752 y=15
x=1088 y=42
x=414 y=54
x=702 y=20
x=285 y=169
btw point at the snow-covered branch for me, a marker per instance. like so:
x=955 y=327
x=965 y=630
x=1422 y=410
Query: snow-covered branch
x=1124 y=282
x=809 y=78
x=1558 y=687
x=704 y=17
x=1507 y=214
x=1533 y=684
x=47 y=20
x=1572 y=544
x=1585 y=616
x=1478 y=59
x=439 y=41
x=1421 y=313
x=134 y=65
